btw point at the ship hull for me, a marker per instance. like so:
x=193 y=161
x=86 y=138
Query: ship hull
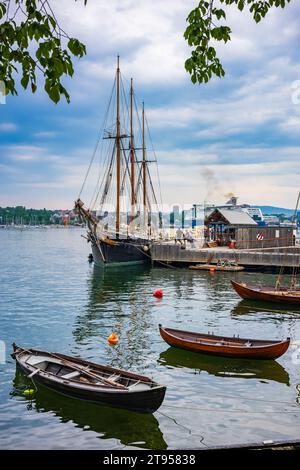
x=121 y=252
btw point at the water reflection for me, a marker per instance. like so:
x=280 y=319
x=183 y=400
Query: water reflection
x=116 y=303
x=222 y=366
x=249 y=307
x=130 y=428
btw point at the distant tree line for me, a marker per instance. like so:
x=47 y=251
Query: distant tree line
x=20 y=215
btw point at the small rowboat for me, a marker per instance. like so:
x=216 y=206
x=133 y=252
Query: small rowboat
x=269 y=294
x=89 y=381
x=224 y=346
x=216 y=267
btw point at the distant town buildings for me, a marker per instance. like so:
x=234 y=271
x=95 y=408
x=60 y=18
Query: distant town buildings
x=198 y=212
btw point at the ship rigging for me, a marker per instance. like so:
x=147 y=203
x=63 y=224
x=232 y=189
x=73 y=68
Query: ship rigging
x=124 y=215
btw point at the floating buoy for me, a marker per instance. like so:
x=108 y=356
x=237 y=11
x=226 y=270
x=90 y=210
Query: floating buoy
x=212 y=270
x=158 y=293
x=28 y=392
x=113 y=338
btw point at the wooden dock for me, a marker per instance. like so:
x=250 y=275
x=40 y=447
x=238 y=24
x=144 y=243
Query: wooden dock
x=276 y=257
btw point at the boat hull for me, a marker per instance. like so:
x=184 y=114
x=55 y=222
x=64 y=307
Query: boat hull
x=214 y=345
x=250 y=292
x=147 y=401
x=123 y=252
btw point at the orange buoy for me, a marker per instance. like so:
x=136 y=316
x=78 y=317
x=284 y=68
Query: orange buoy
x=212 y=270
x=158 y=293
x=113 y=338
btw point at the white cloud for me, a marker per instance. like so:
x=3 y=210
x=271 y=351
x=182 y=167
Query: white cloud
x=258 y=176
x=8 y=127
x=45 y=134
x=147 y=34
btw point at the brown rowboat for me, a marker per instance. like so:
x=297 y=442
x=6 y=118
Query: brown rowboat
x=269 y=294
x=224 y=346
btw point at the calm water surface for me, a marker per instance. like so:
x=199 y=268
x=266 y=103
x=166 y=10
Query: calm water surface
x=52 y=298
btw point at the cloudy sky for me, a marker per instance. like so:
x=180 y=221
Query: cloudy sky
x=238 y=134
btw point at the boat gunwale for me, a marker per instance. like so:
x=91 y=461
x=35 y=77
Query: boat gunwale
x=283 y=293
x=265 y=343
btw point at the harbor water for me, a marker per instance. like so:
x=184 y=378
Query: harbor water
x=53 y=299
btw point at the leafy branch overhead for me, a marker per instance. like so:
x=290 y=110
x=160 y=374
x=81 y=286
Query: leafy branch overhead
x=206 y=25
x=30 y=39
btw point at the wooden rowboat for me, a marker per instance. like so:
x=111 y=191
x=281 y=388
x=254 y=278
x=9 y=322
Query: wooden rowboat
x=224 y=346
x=269 y=294
x=216 y=267
x=89 y=381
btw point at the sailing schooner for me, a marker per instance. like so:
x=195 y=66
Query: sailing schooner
x=127 y=218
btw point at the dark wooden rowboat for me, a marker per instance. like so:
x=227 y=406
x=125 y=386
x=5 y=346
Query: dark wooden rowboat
x=224 y=346
x=269 y=294
x=89 y=381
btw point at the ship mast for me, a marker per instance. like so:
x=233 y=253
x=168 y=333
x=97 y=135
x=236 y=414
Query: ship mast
x=132 y=155
x=144 y=166
x=118 y=145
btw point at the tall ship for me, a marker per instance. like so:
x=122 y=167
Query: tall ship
x=124 y=215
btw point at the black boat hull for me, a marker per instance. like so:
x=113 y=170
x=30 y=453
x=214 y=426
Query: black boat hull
x=142 y=402
x=121 y=252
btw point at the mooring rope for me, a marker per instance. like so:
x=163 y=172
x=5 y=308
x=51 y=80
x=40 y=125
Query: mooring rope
x=184 y=427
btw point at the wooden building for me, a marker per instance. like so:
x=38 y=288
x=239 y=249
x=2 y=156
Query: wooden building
x=237 y=229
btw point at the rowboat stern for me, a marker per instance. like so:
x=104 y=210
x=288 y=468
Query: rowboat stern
x=170 y=340
x=16 y=349
x=283 y=347
x=240 y=289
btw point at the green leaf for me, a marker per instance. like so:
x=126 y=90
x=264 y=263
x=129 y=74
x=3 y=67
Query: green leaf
x=241 y=5
x=2 y=9
x=54 y=94
x=24 y=81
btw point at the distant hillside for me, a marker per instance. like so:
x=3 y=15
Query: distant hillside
x=267 y=210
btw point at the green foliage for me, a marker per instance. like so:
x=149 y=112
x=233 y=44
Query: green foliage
x=20 y=215
x=31 y=39
x=205 y=28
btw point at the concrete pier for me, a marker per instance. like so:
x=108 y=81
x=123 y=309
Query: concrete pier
x=171 y=253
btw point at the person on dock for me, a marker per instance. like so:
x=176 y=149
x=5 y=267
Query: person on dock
x=179 y=237
x=189 y=238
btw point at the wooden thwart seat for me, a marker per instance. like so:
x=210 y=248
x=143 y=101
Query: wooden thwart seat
x=114 y=377
x=71 y=375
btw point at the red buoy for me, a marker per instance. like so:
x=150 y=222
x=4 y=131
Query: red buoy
x=158 y=293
